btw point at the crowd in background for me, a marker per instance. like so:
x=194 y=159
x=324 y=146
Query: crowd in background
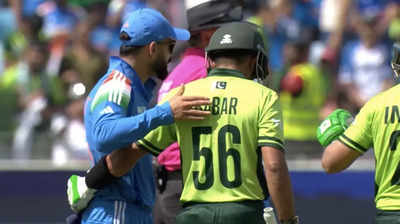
x=323 y=54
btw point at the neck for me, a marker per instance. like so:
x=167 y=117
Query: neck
x=228 y=66
x=233 y=66
x=141 y=69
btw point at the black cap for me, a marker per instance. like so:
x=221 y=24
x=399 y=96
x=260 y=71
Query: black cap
x=236 y=36
x=213 y=14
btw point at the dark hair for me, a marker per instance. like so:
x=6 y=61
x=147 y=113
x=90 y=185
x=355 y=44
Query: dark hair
x=238 y=55
x=126 y=50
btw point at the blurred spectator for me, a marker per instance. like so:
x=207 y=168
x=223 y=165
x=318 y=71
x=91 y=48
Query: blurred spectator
x=29 y=7
x=24 y=8
x=303 y=93
x=174 y=10
x=118 y=10
x=333 y=16
x=103 y=37
x=59 y=20
x=70 y=142
x=364 y=70
x=261 y=15
x=17 y=41
x=83 y=59
x=393 y=21
x=8 y=21
x=282 y=26
x=67 y=127
x=39 y=94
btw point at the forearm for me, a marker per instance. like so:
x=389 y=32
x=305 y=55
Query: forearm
x=337 y=157
x=120 y=161
x=115 y=133
x=280 y=189
x=112 y=166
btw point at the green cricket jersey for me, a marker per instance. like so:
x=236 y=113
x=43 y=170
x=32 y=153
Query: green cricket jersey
x=378 y=126
x=220 y=156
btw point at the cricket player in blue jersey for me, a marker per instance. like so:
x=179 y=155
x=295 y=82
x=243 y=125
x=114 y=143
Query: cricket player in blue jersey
x=116 y=115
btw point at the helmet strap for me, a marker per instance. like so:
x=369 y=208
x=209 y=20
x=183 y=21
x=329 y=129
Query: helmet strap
x=261 y=65
x=396 y=70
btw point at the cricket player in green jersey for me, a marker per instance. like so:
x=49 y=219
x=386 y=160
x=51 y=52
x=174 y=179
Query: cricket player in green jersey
x=223 y=154
x=376 y=126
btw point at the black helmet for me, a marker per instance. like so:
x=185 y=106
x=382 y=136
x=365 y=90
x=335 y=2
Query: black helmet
x=396 y=59
x=213 y=14
x=241 y=36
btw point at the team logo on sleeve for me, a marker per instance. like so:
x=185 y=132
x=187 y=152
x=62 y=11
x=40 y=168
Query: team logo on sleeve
x=116 y=88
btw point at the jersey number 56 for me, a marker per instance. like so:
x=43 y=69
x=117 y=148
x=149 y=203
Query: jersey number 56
x=223 y=155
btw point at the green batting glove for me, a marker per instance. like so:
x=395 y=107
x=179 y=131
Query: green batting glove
x=333 y=126
x=79 y=195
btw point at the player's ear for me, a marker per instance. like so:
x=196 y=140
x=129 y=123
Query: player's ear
x=211 y=63
x=152 y=48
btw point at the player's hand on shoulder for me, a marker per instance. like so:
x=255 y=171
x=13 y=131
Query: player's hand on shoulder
x=183 y=106
x=333 y=126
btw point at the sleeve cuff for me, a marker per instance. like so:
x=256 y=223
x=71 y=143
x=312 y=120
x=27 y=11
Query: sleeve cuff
x=271 y=142
x=148 y=147
x=352 y=144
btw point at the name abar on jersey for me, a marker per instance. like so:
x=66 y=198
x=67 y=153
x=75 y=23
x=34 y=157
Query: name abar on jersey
x=221 y=105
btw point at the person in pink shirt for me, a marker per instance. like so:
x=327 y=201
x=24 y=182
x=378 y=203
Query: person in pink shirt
x=203 y=20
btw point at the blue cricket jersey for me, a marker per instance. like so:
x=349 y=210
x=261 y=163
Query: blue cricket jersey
x=116 y=116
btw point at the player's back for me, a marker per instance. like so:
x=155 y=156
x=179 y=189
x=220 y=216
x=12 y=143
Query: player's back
x=384 y=117
x=221 y=158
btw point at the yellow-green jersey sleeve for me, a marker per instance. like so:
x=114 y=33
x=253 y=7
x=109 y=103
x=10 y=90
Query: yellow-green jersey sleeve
x=158 y=139
x=359 y=134
x=270 y=132
x=163 y=136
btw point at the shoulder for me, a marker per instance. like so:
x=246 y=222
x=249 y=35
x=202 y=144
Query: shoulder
x=258 y=91
x=386 y=95
x=381 y=99
x=261 y=88
x=117 y=77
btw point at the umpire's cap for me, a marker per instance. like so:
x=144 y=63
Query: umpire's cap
x=214 y=13
x=236 y=36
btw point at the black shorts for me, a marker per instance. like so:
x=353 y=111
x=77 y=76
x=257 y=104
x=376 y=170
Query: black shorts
x=387 y=217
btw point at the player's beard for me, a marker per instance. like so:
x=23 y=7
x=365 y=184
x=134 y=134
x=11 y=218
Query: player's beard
x=160 y=68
